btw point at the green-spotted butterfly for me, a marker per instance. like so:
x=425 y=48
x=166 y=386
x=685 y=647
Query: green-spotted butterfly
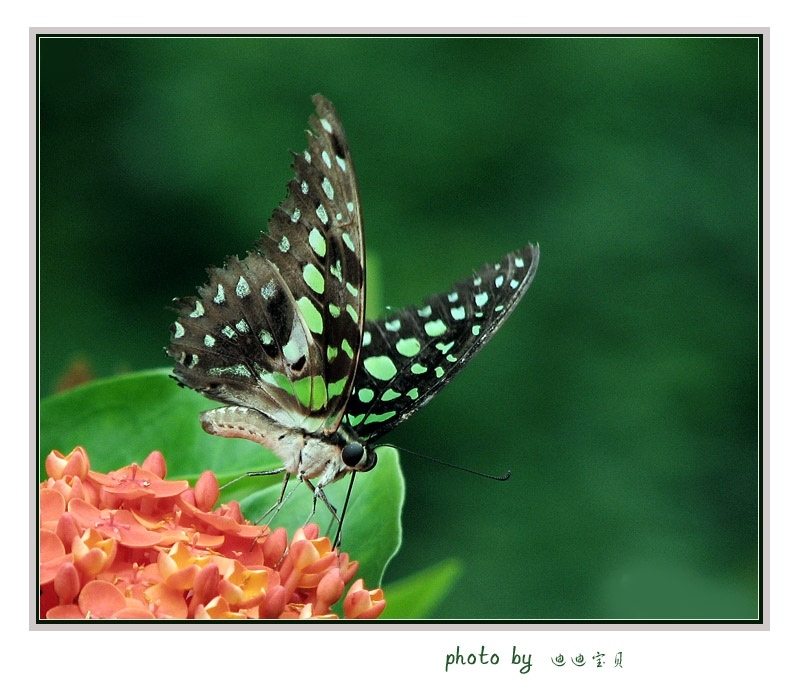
x=280 y=336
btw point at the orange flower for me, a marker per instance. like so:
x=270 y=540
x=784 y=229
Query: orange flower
x=363 y=605
x=132 y=545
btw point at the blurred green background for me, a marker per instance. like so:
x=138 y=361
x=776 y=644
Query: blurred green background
x=624 y=391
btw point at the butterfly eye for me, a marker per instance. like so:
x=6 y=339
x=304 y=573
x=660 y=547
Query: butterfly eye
x=353 y=453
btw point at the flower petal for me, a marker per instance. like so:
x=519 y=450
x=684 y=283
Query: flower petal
x=99 y=600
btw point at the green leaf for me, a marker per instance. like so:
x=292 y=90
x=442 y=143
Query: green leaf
x=121 y=420
x=417 y=596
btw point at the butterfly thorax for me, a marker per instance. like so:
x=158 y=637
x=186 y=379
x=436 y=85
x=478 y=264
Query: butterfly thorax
x=309 y=455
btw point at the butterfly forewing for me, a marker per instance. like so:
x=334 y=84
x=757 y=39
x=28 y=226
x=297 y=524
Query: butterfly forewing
x=280 y=331
x=407 y=358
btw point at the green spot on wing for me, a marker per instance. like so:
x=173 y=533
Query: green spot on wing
x=317 y=242
x=336 y=387
x=278 y=380
x=347 y=349
x=380 y=367
x=314 y=278
x=310 y=392
x=311 y=315
x=408 y=347
x=435 y=328
x=355 y=419
x=378 y=418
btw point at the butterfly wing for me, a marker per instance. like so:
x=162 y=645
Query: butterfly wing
x=410 y=356
x=280 y=330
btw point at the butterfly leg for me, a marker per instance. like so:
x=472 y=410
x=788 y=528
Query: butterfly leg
x=282 y=498
x=277 y=506
x=319 y=494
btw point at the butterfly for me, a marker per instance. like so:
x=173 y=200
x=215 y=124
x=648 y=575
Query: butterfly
x=280 y=336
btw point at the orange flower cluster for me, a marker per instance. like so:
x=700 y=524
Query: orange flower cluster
x=131 y=545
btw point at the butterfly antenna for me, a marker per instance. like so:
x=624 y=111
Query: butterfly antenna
x=338 y=540
x=504 y=477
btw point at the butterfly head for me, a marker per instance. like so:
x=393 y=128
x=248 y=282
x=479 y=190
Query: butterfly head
x=358 y=456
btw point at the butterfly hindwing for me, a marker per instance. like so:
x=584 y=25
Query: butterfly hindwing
x=408 y=357
x=243 y=341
